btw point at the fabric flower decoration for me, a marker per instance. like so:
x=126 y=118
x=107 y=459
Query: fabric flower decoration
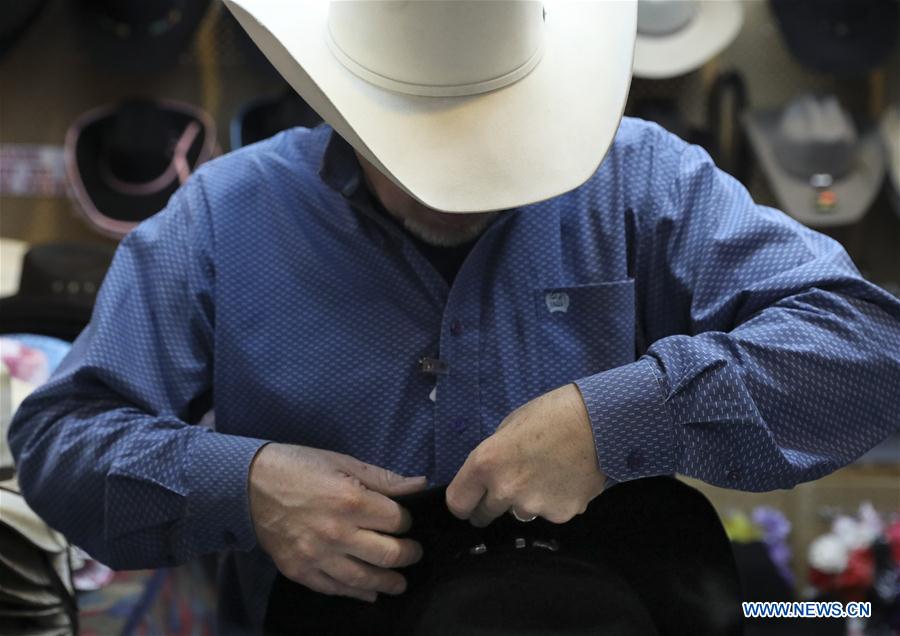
x=828 y=554
x=776 y=528
x=740 y=529
x=870 y=520
x=24 y=363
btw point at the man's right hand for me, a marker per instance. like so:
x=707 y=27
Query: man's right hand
x=326 y=520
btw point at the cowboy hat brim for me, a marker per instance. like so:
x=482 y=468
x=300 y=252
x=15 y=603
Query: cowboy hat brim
x=44 y=315
x=113 y=213
x=712 y=29
x=890 y=136
x=532 y=140
x=17 y=18
x=854 y=192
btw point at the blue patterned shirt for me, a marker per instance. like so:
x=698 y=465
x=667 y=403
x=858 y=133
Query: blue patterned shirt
x=709 y=336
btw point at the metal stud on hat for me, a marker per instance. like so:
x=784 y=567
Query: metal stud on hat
x=826 y=199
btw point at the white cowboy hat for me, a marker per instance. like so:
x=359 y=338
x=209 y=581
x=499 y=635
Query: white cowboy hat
x=468 y=105
x=822 y=171
x=675 y=37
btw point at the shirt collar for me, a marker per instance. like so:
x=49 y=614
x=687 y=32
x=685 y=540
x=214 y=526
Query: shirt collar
x=340 y=168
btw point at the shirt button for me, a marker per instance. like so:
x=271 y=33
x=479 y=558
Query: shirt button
x=733 y=474
x=460 y=426
x=634 y=460
x=456 y=327
x=230 y=539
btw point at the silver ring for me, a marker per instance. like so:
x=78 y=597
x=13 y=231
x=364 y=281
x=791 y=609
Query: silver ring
x=515 y=514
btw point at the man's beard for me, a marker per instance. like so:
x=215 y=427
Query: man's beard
x=448 y=237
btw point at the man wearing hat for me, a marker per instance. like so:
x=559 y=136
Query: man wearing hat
x=475 y=276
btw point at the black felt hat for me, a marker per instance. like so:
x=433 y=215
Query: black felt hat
x=57 y=288
x=843 y=37
x=124 y=161
x=15 y=18
x=647 y=557
x=138 y=35
x=262 y=118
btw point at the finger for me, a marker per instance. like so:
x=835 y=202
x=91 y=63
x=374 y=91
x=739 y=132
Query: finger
x=379 y=513
x=489 y=508
x=321 y=582
x=384 y=551
x=475 y=517
x=363 y=576
x=382 y=480
x=465 y=491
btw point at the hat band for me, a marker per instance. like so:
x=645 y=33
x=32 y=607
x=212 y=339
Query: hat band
x=435 y=90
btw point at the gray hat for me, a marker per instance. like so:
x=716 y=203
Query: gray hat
x=823 y=172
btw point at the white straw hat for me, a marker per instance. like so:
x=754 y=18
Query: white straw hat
x=675 y=37
x=468 y=105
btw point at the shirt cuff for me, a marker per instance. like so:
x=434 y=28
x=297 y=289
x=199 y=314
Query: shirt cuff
x=219 y=502
x=633 y=433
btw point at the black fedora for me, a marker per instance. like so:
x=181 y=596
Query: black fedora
x=647 y=557
x=142 y=36
x=57 y=288
x=124 y=161
x=261 y=118
x=843 y=37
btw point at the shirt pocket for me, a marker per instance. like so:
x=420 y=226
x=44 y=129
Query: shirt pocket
x=583 y=330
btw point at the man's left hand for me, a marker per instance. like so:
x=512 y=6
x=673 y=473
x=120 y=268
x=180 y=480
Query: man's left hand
x=540 y=461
